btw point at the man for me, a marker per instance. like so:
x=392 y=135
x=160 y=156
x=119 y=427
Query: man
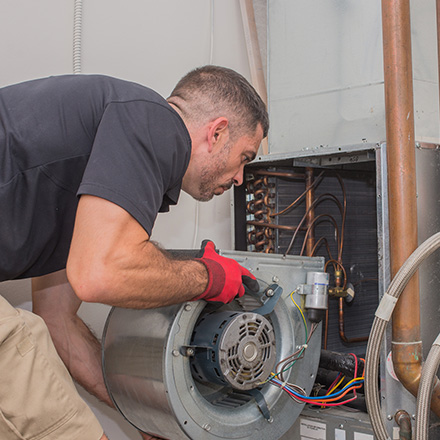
x=87 y=163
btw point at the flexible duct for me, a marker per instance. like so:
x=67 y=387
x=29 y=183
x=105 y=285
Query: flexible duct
x=427 y=382
x=382 y=317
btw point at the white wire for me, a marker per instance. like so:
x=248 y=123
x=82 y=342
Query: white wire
x=77 y=36
x=211 y=59
x=196 y=225
x=211 y=48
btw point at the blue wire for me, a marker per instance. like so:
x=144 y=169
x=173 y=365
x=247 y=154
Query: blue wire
x=358 y=382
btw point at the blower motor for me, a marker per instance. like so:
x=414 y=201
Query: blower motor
x=234 y=349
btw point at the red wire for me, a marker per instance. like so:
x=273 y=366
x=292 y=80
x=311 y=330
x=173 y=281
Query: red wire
x=335 y=381
x=323 y=402
x=355 y=371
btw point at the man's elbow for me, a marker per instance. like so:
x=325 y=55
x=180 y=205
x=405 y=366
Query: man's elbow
x=91 y=284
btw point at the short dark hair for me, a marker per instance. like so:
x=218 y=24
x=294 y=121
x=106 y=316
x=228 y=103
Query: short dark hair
x=213 y=91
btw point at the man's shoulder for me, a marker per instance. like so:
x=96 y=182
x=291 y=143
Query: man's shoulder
x=88 y=87
x=116 y=88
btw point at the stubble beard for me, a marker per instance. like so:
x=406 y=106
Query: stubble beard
x=211 y=174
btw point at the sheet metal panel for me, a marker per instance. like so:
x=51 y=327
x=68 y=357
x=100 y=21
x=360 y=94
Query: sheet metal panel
x=325 y=73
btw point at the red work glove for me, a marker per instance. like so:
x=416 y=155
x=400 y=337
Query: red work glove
x=225 y=276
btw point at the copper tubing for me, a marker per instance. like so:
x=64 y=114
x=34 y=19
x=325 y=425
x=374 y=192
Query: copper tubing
x=314 y=184
x=406 y=343
x=341 y=324
x=315 y=220
x=403 y=419
x=261 y=208
x=281 y=174
x=310 y=211
x=273 y=225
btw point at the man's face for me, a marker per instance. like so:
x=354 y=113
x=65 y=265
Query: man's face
x=225 y=166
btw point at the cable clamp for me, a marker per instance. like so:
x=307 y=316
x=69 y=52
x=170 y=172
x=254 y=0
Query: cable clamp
x=386 y=307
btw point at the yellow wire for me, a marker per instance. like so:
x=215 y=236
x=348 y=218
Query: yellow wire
x=299 y=308
x=336 y=386
x=304 y=319
x=354 y=380
x=272 y=374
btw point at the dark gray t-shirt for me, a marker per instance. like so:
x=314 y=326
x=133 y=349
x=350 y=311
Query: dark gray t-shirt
x=69 y=135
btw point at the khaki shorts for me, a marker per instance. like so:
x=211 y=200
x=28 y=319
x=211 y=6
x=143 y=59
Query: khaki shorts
x=38 y=399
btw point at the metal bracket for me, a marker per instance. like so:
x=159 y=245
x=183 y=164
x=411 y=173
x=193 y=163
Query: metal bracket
x=269 y=299
x=190 y=350
x=261 y=403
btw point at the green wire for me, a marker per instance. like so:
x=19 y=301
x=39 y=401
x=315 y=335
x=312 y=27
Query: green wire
x=302 y=350
x=302 y=315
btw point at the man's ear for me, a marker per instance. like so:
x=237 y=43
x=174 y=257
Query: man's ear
x=218 y=132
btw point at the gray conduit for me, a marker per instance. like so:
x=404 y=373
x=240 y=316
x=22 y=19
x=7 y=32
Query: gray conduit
x=382 y=317
x=427 y=381
x=77 y=36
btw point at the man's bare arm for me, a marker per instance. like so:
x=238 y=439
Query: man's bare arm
x=54 y=300
x=112 y=261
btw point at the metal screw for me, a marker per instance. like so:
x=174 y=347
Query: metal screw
x=188 y=307
x=270 y=419
x=190 y=351
x=341 y=426
x=413 y=416
x=175 y=353
x=389 y=417
x=207 y=427
x=269 y=292
x=275 y=279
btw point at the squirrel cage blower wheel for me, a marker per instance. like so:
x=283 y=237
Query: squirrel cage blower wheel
x=200 y=371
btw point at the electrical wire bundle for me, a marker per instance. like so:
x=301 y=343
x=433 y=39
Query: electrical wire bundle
x=287 y=363
x=331 y=399
x=298 y=394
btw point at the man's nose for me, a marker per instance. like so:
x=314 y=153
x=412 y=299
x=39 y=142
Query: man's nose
x=238 y=178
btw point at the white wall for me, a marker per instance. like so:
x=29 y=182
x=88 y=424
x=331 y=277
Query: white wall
x=148 y=41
